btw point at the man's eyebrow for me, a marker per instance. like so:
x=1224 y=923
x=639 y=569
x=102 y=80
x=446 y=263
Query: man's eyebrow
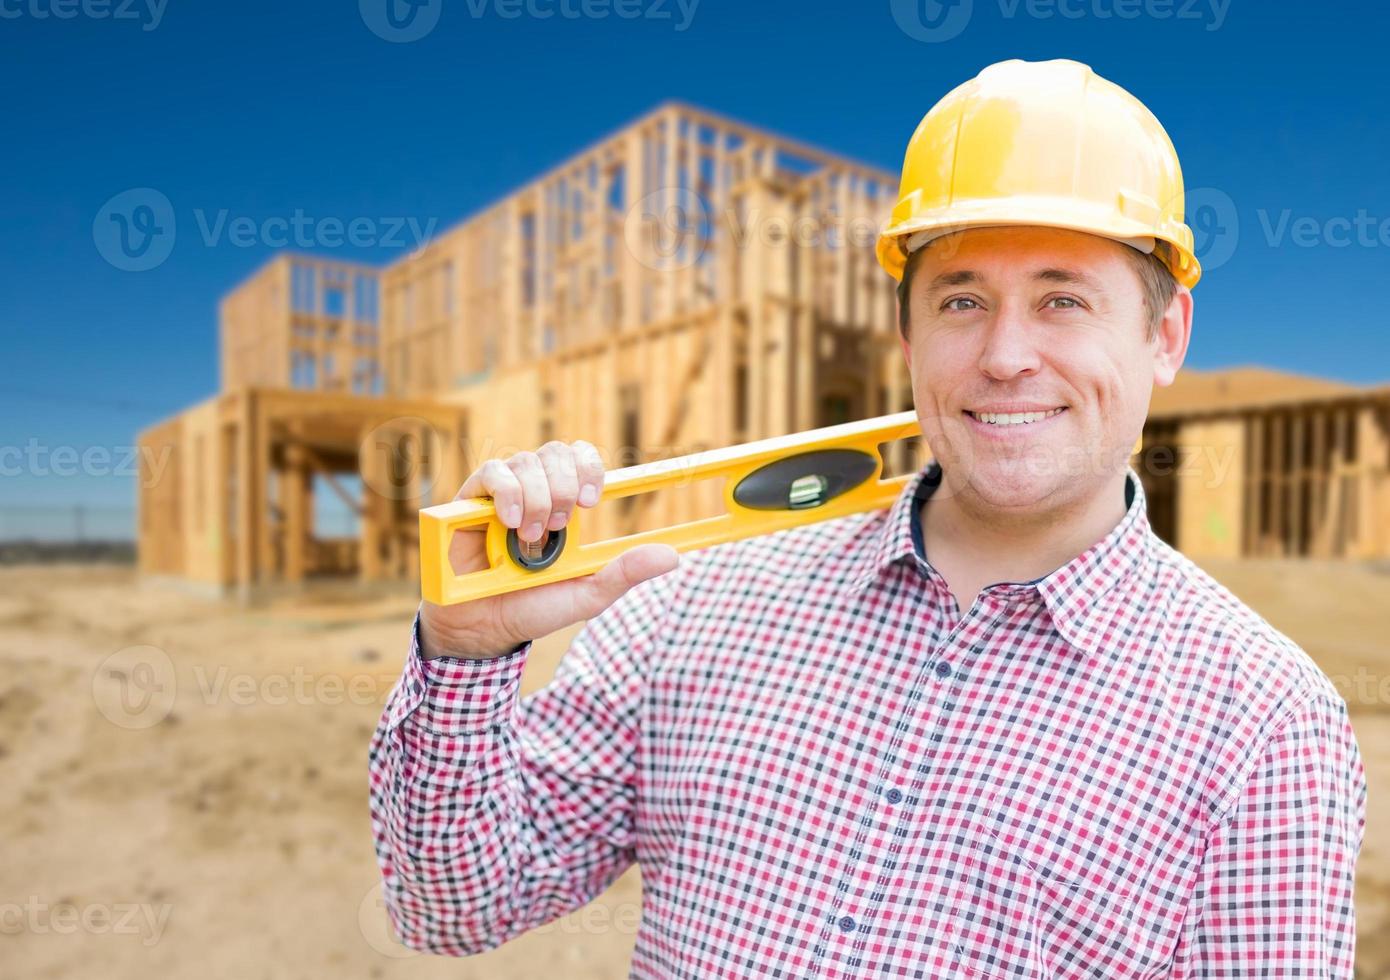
x=1068 y=276
x=960 y=277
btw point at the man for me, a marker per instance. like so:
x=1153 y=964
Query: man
x=999 y=729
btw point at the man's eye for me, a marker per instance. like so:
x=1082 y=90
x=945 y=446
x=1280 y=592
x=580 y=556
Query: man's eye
x=960 y=303
x=1063 y=303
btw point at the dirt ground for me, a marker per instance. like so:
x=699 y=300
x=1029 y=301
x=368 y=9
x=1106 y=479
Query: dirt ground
x=186 y=779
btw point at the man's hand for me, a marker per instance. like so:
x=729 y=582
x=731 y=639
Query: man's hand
x=533 y=492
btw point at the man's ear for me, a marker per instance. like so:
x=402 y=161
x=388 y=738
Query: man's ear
x=1174 y=332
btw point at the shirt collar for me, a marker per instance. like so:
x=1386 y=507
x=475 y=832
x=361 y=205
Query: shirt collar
x=1075 y=593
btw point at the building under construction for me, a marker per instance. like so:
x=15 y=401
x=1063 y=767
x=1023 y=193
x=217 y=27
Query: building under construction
x=687 y=283
x=1262 y=464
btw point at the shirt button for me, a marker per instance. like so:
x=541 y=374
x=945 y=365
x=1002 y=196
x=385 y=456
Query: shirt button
x=847 y=924
x=942 y=668
x=894 y=795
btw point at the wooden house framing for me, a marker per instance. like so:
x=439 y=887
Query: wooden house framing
x=685 y=283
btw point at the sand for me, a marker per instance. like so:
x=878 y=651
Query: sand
x=186 y=779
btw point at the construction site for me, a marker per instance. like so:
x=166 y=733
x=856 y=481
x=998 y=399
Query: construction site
x=717 y=285
x=687 y=283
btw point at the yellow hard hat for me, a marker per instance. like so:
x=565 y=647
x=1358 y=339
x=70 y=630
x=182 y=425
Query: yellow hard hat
x=1042 y=143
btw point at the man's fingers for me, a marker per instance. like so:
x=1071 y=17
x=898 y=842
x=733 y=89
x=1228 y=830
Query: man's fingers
x=535 y=494
x=590 y=468
x=496 y=480
x=563 y=474
x=538 y=491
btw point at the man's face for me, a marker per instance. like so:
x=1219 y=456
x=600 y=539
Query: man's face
x=1045 y=324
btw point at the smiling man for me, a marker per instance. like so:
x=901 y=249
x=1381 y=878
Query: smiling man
x=1033 y=352
x=997 y=730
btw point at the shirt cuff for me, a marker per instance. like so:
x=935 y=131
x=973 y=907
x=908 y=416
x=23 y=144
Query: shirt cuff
x=456 y=695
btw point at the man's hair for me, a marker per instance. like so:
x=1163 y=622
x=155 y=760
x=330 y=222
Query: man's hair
x=1155 y=281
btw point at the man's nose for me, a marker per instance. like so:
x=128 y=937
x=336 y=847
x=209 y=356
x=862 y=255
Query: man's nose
x=1009 y=345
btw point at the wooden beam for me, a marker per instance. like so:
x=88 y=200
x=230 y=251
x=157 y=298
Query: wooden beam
x=1341 y=466
x=247 y=496
x=1254 y=484
x=1279 y=477
x=1317 y=539
x=298 y=500
x=1298 y=477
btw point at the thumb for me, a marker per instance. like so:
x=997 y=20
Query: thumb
x=633 y=566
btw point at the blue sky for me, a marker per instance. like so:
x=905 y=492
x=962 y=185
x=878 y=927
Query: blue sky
x=260 y=110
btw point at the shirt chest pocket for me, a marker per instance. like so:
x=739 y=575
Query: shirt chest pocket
x=1055 y=889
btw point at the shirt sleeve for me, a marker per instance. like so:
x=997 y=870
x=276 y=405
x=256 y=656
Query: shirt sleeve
x=1274 y=893
x=493 y=815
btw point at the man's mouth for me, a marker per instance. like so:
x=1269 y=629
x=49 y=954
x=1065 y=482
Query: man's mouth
x=1013 y=418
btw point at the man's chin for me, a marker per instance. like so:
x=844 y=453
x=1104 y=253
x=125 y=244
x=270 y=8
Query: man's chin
x=1012 y=485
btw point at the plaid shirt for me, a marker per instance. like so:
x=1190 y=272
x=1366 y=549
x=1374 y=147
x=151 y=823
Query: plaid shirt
x=823 y=769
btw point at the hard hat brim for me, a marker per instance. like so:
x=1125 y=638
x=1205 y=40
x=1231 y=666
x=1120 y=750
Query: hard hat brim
x=1178 y=257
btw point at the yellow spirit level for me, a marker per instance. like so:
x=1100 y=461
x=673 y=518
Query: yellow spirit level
x=770 y=485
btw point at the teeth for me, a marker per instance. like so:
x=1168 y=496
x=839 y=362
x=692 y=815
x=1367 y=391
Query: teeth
x=1014 y=418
